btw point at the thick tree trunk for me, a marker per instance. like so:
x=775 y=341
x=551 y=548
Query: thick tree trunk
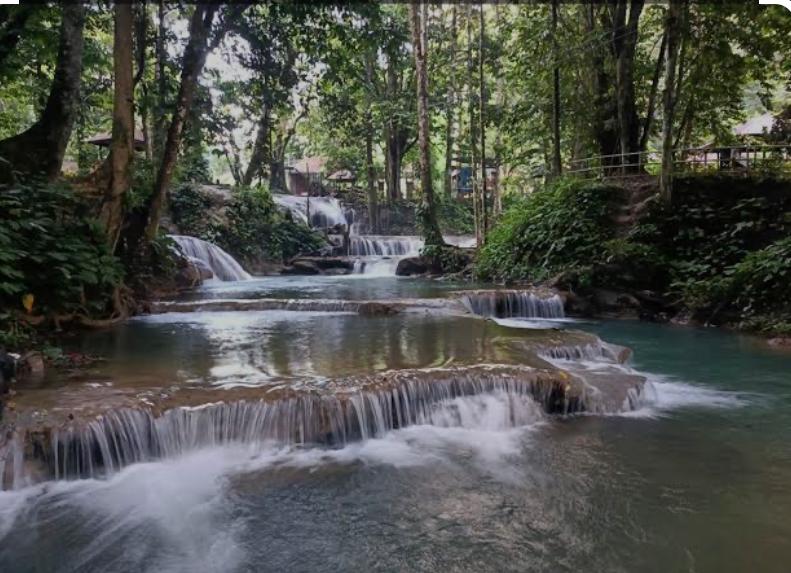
x=450 y=102
x=556 y=158
x=258 y=157
x=393 y=156
x=431 y=233
x=40 y=149
x=194 y=59
x=604 y=120
x=624 y=34
x=122 y=146
x=649 y=114
x=672 y=33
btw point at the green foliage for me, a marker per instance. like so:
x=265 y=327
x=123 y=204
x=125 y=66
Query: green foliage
x=249 y=226
x=51 y=249
x=446 y=258
x=561 y=227
x=189 y=205
x=455 y=216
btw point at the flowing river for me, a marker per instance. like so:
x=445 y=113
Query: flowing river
x=286 y=424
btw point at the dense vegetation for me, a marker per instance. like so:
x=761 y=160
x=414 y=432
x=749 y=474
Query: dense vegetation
x=53 y=258
x=558 y=228
x=249 y=226
x=720 y=251
x=442 y=113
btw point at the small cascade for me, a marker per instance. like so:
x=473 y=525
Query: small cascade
x=325 y=212
x=510 y=303
x=485 y=395
x=382 y=245
x=208 y=255
x=379 y=254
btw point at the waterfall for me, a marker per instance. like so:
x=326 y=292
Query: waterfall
x=325 y=212
x=505 y=303
x=382 y=245
x=380 y=254
x=440 y=396
x=209 y=255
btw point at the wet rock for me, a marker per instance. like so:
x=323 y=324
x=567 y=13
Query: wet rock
x=413 y=266
x=374 y=308
x=320 y=266
x=7 y=370
x=613 y=301
x=780 y=342
x=31 y=366
x=299 y=267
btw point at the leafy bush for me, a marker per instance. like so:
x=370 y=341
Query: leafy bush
x=51 y=249
x=561 y=227
x=250 y=226
x=455 y=217
x=189 y=208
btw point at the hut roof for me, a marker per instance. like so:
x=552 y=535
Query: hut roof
x=104 y=140
x=309 y=165
x=758 y=125
x=342 y=175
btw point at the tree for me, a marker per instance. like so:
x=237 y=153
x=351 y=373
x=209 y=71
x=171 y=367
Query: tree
x=41 y=148
x=122 y=145
x=199 y=45
x=672 y=25
x=428 y=212
x=556 y=157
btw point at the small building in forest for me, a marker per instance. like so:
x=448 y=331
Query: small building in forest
x=306 y=175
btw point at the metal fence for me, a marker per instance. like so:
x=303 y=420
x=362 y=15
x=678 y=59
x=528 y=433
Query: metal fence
x=735 y=160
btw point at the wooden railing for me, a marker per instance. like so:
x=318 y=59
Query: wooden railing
x=735 y=160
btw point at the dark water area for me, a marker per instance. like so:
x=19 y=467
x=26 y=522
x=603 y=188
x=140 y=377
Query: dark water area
x=698 y=479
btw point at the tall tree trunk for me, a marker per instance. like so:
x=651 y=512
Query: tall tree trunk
x=624 y=38
x=649 y=114
x=194 y=59
x=162 y=83
x=122 y=145
x=672 y=31
x=40 y=149
x=393 y=139
x=604 y=134
x=556 y=158
x=370 y=173
x=482 y=122
x=450 y=102
x=258 y=157
x=428 y=212
x=473 y=132
x=497 y=202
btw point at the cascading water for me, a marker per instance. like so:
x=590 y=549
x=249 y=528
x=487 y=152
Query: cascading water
x=379 y=255
x=501 y=397
x=383 y=245
x=325 y=212
x=208 y=255
x=502 y=304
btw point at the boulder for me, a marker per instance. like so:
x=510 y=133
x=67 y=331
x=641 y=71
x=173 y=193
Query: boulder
x=31 y=366
x=320 y=265
x=7 y=370
x=413 y=266
x=780 y=342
